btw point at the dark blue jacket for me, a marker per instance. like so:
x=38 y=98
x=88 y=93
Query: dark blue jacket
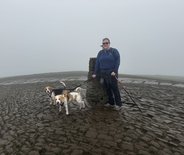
x=107 y=60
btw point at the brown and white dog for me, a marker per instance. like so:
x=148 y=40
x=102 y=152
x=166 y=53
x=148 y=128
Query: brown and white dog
x=68 y=97
x=52 y=92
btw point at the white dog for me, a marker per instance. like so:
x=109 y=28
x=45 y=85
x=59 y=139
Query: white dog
x=68 y=97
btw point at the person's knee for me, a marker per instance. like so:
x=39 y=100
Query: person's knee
x=114 y=87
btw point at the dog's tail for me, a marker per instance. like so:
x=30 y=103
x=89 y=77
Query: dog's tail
x=78 y=89
x=63 y=84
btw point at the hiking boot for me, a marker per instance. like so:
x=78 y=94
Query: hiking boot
x=117 y=107
x=108 y=105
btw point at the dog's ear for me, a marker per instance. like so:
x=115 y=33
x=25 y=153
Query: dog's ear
x=51 y=88
x=65 y=93
x=62 y=98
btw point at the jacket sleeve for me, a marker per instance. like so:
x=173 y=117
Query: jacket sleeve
x=97 y=65
x=117 y=60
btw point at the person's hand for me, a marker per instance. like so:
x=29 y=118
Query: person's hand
x=113 y=73
x=94 y=76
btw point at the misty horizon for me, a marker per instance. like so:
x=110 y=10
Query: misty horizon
x=46 y=36
x=174 y=77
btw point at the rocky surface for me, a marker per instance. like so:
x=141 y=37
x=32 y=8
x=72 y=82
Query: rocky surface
x=29 y=125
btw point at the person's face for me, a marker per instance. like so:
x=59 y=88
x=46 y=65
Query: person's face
x=106 y=44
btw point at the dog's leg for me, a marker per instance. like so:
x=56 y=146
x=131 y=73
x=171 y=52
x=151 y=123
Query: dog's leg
x=54 y=101
x=60 y=108
x=83 y=104
x=66 y=107
x=53 y=98
x=80 y=104
x=86 y=103
x=50 y=100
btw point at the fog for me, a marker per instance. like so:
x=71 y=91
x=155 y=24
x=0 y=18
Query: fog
x=38 y=36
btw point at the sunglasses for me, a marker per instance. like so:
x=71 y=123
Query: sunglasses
x=105 y=43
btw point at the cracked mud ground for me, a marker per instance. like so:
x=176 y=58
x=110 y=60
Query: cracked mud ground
x=29 y=125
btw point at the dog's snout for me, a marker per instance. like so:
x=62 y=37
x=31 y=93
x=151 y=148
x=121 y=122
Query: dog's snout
x=58 y=102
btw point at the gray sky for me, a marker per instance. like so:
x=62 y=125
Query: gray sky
x=38 y=36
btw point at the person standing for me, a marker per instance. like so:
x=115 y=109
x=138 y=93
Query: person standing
x=106 y=67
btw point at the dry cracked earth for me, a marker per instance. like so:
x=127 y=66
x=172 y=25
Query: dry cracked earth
x=30 y=126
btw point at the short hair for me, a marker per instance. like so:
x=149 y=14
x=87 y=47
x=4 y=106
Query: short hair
x=106 y=39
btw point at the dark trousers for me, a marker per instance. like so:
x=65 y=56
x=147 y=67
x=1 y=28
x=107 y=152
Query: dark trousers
x=112 y=90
